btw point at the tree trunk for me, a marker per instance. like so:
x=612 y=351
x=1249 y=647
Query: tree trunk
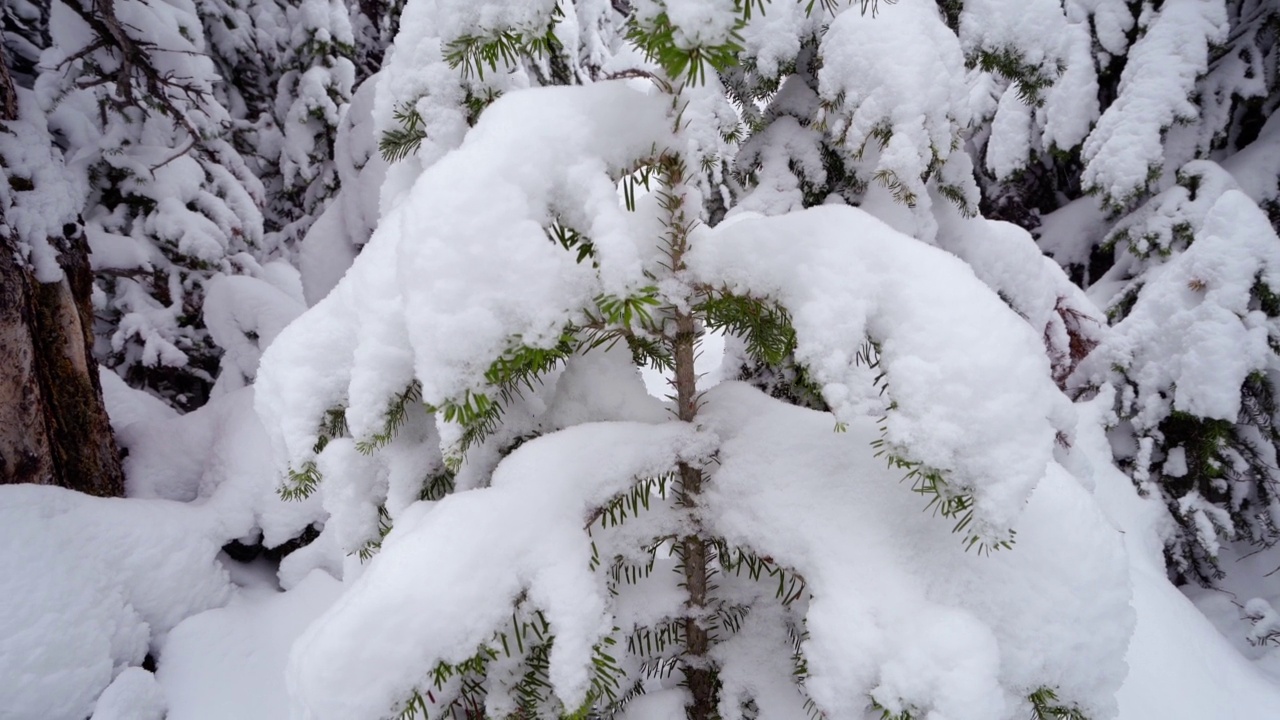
x=699 y=673
x=53 y=422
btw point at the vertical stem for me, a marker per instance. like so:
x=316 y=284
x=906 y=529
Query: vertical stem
x=699 y=675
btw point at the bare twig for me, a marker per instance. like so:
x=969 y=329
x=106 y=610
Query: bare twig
x=136 y=71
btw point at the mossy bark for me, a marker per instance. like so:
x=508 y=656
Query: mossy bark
x=53 y=422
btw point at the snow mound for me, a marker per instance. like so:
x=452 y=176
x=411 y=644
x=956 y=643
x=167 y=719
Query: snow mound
x=229 y=662
x=900 y=611
x=133 y=695
x=89 y=585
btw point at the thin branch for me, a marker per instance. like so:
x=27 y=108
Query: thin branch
x=135 y=67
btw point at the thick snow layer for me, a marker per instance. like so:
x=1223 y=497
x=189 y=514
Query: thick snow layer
x=772 y=38
x=1007 y=259
x=88 y=585
x=220 y=457
x=1031 y=27
x=1179 y=665
x=913 y=107
x=126 y=405
x=1155 y=91
x=230 y=662
x=1071 y=105
x=244 y=315
x=1111 y=19
x=384 y=634
x=776 y=152
x=39 y=211
x=363 y=344
x=1069 y=233
x=1004 y=624
x=1257 y=166
x=1053 y=44
x=1010 y=146
x=1191 y=338
x=133 y=695
x=958 y=633
x=969 y=379
x=332 y=242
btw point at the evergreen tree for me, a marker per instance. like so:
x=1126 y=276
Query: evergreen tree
x=549 y=540
x=171 y=201
x=312 y=94
x=1133 y=121
x=204 y=135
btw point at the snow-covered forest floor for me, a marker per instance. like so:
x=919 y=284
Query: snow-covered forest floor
x=640 y=359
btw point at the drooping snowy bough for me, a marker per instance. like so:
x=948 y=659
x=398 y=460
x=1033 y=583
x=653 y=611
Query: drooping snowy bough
x=547 y=539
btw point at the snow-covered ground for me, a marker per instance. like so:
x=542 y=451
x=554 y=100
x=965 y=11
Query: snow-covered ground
x=127 y=578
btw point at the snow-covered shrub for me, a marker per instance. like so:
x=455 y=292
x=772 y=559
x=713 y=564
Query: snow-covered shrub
x=1193 y=352
x=312 y=94
x=1155 y=110
x=170 y=201
x=545 y=539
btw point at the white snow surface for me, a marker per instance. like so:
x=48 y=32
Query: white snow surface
x=333 y=240
x=126 y=405
x=133 y=695
x=229 y=662
x=218 y=456
x=969 y=379
x=1008 y=260
x=960 y=633
x=244 y=315
x=88 y=585
x=1257 y=166
x=528 y=537
x=918 y=94
x=1192 y=339
x=1180 y=666
x=1155 y=90
x=424 y=277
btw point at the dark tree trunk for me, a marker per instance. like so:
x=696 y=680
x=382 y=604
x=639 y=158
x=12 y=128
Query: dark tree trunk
x=53 y=422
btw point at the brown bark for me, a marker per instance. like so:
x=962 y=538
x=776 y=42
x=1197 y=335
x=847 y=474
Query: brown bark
x=53 y=422
x=699 y=676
